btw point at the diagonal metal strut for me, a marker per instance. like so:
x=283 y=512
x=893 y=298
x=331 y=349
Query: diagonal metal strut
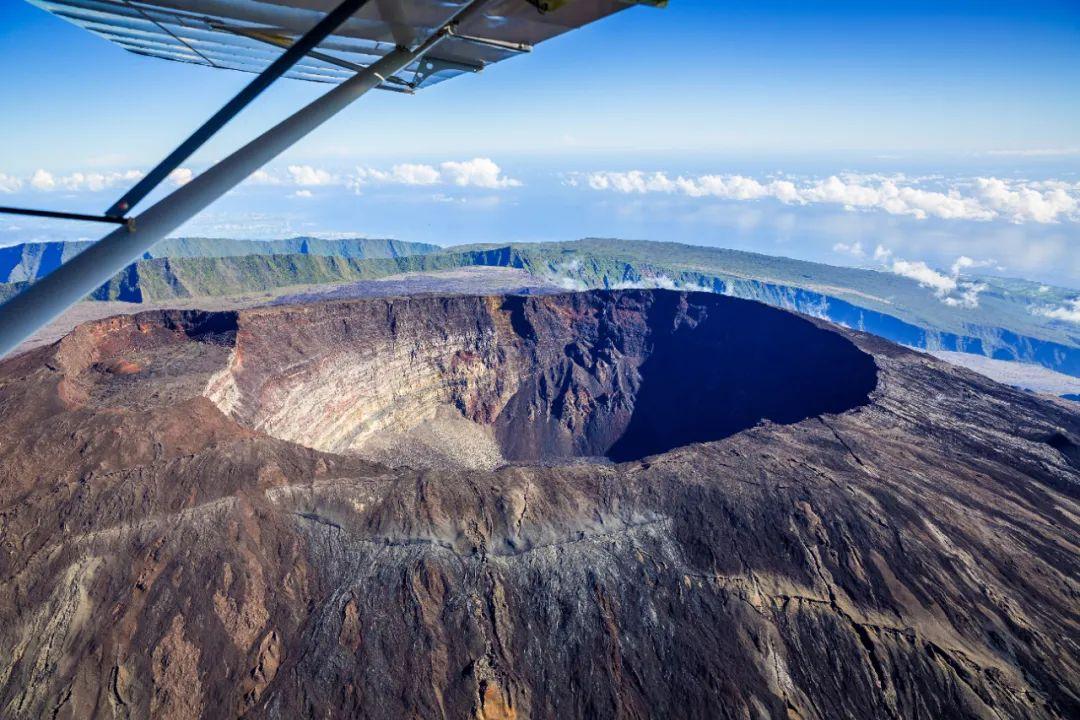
x=263 y=80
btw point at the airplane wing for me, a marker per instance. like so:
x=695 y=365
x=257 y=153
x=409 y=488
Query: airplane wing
x=248 y=35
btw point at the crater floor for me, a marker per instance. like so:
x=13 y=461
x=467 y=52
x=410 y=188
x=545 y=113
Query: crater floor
x=606 y=504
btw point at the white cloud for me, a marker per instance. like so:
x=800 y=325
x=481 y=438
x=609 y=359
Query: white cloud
x=964 y=263
x=968 y=296
x=1019 y=202
x=303 y=194
x=45 y=181
x=478 y=172
x=262 y=177
x=181 y=176
x=42 y=180
x=925 y=275
x=96 y=181
x=961 y=263
x=104 y=181
x=402 y=174
x=949 y=289
x=411 y=174
x=634 y=181
x=654 y=281
x=854 y=248
x=9 y=183
x=1069 y=312
x=308 y=176
x=982 y=199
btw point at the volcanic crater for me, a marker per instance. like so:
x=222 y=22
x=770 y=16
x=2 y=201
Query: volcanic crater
x=480 y=382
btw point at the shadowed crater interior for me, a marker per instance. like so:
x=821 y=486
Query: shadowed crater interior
x=478 y=382
x=744 y=364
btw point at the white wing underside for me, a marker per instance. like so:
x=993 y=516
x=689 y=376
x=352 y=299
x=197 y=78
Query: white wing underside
x=248 y=35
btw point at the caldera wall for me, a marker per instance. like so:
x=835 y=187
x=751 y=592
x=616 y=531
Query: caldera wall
x=622 y=374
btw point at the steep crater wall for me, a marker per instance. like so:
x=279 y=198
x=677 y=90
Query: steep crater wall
x=480 y=381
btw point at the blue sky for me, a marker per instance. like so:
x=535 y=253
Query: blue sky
x=951 y=128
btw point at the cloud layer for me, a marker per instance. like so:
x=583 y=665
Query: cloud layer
x=478 y=172
x=481 y=173
x=45 y=181
x=979 y=199
x=42 y=180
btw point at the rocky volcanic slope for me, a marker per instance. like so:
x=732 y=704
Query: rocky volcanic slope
x=804 y=522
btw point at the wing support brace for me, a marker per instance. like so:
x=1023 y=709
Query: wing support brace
x=50 y=296
x=294 y=54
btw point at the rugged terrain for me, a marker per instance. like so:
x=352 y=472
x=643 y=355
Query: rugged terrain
x=1011 y=320
x=30 y=261
x=605 y=504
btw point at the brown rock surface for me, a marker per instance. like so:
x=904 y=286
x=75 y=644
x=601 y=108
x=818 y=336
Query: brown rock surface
x=189 y=527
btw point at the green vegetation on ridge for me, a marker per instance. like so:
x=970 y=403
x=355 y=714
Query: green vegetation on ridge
x=1005 y=324
x=183 y=277
x=29 y=261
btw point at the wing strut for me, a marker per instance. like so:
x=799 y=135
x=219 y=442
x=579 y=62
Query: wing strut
x=263 y=80
x=47 y=298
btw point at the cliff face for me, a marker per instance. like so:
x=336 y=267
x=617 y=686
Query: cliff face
x=543 y=380
x=189 y=527
x=168 y=278
x=30 y=261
